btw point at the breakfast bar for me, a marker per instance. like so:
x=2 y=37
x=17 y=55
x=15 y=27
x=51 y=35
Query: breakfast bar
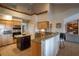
x=49 y=44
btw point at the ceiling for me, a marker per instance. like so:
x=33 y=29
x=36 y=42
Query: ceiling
x=30 y=8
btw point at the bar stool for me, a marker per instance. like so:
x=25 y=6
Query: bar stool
x=62 y=38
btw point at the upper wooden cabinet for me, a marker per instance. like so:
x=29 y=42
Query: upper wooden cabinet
x=17 y=21
x=43 y=24
x=10 y=23
x=6 y=22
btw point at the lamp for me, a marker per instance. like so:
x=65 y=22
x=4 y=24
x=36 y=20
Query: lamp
x=42 y=30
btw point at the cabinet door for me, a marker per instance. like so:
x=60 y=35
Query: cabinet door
x=9 y=39
x=0 y=41
x=4 y=39
x=9 y=23
x=15 y=22
x=43 y=25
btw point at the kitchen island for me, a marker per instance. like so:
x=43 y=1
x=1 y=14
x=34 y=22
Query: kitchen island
x=47 y=45
x=23 y=41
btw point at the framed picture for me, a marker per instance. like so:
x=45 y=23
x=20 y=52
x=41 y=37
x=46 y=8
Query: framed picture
x=58 y=25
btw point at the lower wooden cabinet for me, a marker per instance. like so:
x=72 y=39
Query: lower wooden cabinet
x=5 y=40
x=0 y=41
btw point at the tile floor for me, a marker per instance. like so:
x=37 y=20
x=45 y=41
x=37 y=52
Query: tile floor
x=70 y=49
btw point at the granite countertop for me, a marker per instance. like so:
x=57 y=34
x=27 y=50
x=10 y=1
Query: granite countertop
x=18 y=36
x=38 y=39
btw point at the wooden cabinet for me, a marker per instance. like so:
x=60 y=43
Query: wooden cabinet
x=0 y=41
x=8 y=23
x=6 y=27
x=6 y=39
x=16 y=22
x=9 y=39
x=6 y=32
x=43 y=25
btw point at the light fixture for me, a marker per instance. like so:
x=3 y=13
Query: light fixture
x=7 y=17
x=42 y=30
